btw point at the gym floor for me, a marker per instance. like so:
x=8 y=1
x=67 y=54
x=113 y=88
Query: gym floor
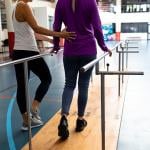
x=134 y=132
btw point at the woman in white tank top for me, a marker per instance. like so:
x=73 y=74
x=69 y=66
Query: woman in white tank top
x=25 y=26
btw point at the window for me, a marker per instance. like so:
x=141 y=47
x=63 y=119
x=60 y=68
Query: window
x=134 y=27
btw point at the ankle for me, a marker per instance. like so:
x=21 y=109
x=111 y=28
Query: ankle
x=64 y=115
x=35 y=105
x=25 y=117
x=63 y=120
x=80 y=118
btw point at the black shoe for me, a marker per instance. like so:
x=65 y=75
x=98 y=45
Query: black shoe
x=80 y=125
x=63 y=131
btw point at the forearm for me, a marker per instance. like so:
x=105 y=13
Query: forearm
x=42 y=37
x=44 y=31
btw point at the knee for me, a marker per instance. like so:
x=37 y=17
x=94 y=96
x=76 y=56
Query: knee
x=47 y=80
x=83 y=85
x=71 y=85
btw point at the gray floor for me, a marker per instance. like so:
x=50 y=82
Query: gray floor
x=135 y=127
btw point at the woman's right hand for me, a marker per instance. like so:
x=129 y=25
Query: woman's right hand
x=110 y=52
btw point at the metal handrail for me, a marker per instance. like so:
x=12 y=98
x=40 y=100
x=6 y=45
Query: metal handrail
x=121 y=72
x=122 y=52
x=94 y=62
x=103 y=73
x=24 y=59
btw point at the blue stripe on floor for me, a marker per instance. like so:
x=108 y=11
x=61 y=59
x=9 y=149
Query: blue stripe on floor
x=8 y=124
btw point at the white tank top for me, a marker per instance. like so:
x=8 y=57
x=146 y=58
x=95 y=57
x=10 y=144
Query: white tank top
x=24 y=35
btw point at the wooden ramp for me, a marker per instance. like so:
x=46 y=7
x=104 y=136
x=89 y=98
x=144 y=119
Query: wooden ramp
x=90 y=138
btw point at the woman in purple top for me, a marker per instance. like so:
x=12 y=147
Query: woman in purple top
x=81 y=17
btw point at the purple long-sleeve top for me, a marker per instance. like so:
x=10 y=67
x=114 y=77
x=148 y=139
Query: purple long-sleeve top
x=85 y=22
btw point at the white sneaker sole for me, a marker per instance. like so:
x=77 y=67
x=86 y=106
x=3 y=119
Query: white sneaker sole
x=35 y=126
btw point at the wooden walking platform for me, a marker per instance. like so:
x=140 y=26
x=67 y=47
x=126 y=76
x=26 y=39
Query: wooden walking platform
x=90 y=138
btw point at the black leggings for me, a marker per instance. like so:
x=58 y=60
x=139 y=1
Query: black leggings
x=39 y=68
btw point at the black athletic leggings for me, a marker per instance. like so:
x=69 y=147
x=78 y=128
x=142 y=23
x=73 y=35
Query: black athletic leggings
x=39 y=68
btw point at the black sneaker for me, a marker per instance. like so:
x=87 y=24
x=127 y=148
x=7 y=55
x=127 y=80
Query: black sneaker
x=63 y=131
x=80 y=125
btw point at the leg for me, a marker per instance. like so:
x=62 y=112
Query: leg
x=83 y=85
x=19 y=70
x=71 y=67
x=40 y=68
x=21 y=100
x=71 y=71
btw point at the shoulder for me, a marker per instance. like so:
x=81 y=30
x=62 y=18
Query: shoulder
x=62 y=3
x=92 y=5
x=23 y=6
x=92 y=2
